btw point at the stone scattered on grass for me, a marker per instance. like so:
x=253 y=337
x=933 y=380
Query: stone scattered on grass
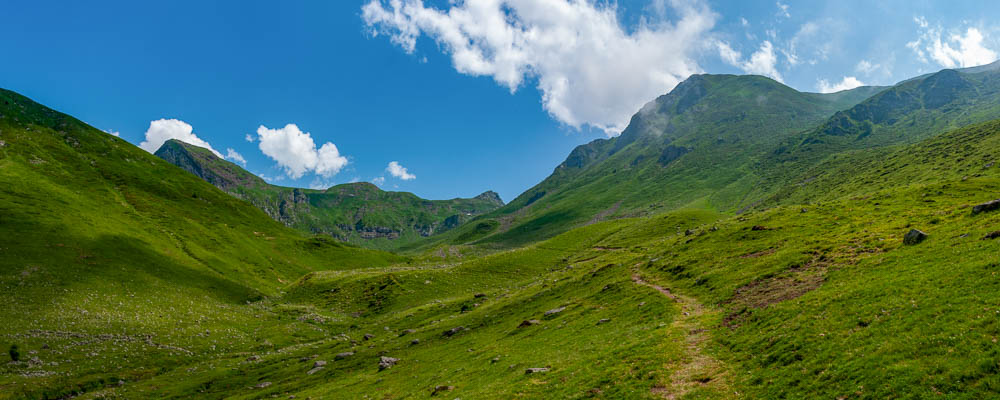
x=986 y=207
x=407 y=332
x=369 y=336
x=603 y=321
x=344 y=355
x=530 y=371
x=914 y=237
x=319 y=363
x=528 y=323
x=451 y=332
x=992 y=235
x=314 y=370
x=415 y=342
x=554 y=311
x=386 y=362
x=263 y=385
x=442 y=388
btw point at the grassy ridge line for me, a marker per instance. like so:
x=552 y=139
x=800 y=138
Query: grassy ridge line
x=115 y=264
x=358 y=213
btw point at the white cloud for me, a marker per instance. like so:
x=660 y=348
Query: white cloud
x=589 y=68
x=112 y=133
x=783 y=10
x=379 y=181
x=849 y=82
x=762 y=62
x=249 y=138
x=399 y=171
x=744 y=22
x=952 y=50
x=296 y=153
x=235 y=157
x=162 y=130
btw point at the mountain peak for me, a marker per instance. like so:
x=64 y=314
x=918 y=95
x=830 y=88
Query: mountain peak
x=206 y=165
x=492 y=197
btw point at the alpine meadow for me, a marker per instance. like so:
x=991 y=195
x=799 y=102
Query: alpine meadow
x=745 y=230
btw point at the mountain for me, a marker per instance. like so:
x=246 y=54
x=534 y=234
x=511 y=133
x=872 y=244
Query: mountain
x=693 y=147
x=359 y=213
x=116 y=260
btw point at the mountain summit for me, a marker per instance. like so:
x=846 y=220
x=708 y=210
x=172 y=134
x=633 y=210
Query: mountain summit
x=360 y=212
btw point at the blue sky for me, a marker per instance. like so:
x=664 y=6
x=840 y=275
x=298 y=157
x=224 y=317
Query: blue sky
x=465 y=96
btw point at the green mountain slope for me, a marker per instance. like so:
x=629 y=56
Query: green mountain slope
x=359 y=213
x=119 y=263
x=799 y=301
x=694 y=147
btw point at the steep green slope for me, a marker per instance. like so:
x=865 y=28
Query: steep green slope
x=115 y=264
x=359 y=213
x=799 y=301
x=694 y=147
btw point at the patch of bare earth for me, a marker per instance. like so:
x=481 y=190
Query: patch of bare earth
x=696 y=369
x=765 y=292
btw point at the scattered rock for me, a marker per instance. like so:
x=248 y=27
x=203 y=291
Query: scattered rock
x=319 y=363
x=369 y=336
x=263 y=385
x=314 y=370
x=344 y=355
x=554 y=311
x=914 y=237
x=758 y=228
x=495 y=360
x=986 y=207
x=451 y=332
x=407 y=332
x=386 y=362
x=479 y=295
x=442 y=388
x=253 y=358
x=530 y=371
x=992 y=235
x=603 y=321
x=415 y=342
x=688 y=232
x=528 y=323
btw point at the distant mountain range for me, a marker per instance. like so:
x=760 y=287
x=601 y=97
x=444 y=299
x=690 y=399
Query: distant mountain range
x=359 y=213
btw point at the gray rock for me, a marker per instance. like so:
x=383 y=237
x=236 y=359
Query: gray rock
x=603 y=321
x=319 y=363
x=314 y=370
x=986 y=207
x=369 y=336
x=263 y=385
x=253 y=358
x=451 y=332
x=554 y=311
x=386 y=362
x=535 y=370
x=407 y=332
x=415 y=342
x=914 y=237
x=442 y=388
x=528 y=323
x=344 y=355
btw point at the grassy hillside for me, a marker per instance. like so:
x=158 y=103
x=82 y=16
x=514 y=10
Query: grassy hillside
x=694 y=147
x=358 y=213
x=115 y=264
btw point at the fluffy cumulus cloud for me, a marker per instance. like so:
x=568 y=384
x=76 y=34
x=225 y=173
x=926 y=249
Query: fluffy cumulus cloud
x=399 y=171
x=764 y=61
x=233 y=156
x=379 y=181
x=296 y=152
x=112 y=132
x=162 y=130
x=951 y=50
x=589 y=68
x=849 y=82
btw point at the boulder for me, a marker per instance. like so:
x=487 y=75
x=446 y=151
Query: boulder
x=986 y=207
x=554 y=311
x=386 y=362
x=344 y=355
x=319 y=363
x=442 y=388
x=528 y=323
x=914 y=237
x=415 y=342
x=451 y=332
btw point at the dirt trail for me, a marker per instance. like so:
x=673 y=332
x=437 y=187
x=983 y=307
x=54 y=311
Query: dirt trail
x=696 y=369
